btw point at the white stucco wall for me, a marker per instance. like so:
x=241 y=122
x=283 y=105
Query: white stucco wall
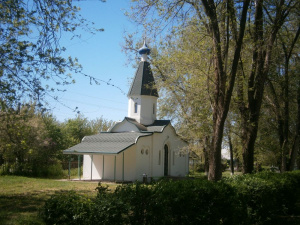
x=177 y=163
x=86 y=167
x=113 y=166
x=137 y=162
x=145 y=113
x=143 y=157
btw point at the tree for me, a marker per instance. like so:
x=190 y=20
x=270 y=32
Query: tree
x=221 y=20
x=100 y=125
x=241 y=39
x=29 y=142
x=31 y=58
x=281 y=92
x=75 y=129
x=268 y=19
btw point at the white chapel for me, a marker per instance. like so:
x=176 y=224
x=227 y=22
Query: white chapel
x=139 y=146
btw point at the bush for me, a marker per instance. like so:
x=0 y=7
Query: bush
x=248 y=199
x=109 y=208
x=174 y=202
x=142 y=204
x=266 y=195
x=257 y=198
x=67 y=208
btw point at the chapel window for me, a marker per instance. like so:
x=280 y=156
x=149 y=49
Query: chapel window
x=159 y=157
x=173 y=158
x=135 y=107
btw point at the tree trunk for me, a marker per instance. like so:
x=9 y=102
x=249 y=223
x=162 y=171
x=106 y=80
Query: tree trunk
x=223 y=84
x=260 y=67
x=206 y=155
x=231 y=154
x=295 y=150
x=293 y=154
x=215 y=166
x=248 y=148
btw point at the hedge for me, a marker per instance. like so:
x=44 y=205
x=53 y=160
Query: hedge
x=246 y=199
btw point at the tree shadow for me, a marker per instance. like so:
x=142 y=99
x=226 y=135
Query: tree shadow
x=22 y=208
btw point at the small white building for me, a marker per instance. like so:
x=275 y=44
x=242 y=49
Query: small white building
x=138 y=146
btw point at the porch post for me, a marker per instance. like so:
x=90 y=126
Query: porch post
x=123 y=168
x=103 y=168
x=92 y=160
x=115 y=169
x=69 y=172
x=79 y=168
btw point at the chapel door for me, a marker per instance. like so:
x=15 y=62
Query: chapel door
x=166 y=161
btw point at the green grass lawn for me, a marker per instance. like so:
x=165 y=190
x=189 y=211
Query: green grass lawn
x=22 y=197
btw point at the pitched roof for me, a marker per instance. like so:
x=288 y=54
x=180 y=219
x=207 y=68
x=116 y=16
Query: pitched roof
x=106 y=143
x=158 y=126
x=143 y=83
x=114 y=143
x=141 y=127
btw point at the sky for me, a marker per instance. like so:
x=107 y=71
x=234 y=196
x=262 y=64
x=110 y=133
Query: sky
x=101 y=57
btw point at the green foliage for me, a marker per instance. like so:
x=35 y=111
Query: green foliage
x=206 y=53
x=49 y=171
x=67 y=208
x=195 y=202
x=247 y=199
x=31 y=56
x=75 y=129
x=265 y=195
x=31 y=142
x=109 y=208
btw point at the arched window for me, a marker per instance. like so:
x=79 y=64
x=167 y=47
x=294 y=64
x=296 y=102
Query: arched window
x=166 y=160
x=159 y=157
x=135 y=107
x=173 y=158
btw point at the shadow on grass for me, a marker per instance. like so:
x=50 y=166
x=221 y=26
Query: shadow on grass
x=23 y=209
x=20 y=209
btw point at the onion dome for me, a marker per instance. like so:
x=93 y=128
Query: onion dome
x=144 y=49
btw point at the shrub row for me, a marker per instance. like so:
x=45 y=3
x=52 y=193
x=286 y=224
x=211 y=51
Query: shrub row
x=248 y=199
x=264 y=196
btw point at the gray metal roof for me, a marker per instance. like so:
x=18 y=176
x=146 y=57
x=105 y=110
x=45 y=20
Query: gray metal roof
x=114 y=143
x=141 y=127
x=143 y=83
x=106 y=143
x=158 y=126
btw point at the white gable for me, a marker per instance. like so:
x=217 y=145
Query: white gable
x=124 y=126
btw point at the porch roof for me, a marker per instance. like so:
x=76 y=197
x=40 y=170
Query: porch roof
x=105 y=143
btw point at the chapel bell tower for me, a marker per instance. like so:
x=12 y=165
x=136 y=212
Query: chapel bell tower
x=142 y=95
